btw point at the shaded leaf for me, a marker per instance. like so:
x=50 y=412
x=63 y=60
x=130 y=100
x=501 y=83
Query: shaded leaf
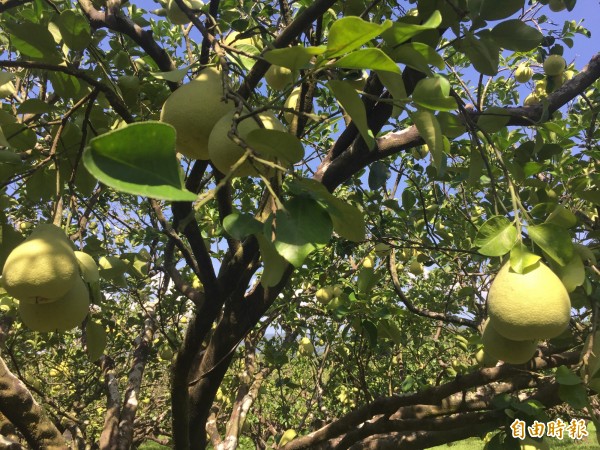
x=74 y=29
x=274 y=265
x=433 y=93
x=352 y=103
x=516 y=36
x=496 y=10
x=553 y=240
x=294 y=58
x=279 y=144
x=401 y=32
x=431 y=132
x=240 y=225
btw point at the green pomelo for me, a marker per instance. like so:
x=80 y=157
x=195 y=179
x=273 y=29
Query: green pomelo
x=529 y=306
x=89 y=270
x=41 y=269
x=554 y=65
x=291 y=103
x=523 y=74
x=278 y=77
x=63 y=314
x=509 y=351
x=193 y=110
x=224 y=153
x=95 y=340
x=484 y=359
x=176 y=15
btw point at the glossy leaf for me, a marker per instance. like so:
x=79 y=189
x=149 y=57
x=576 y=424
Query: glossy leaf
x=401 y=32
x=496 y=237
x=431 y=132
x=294 y=58
x=433 y=93
x=138 y=159
x=521 y=258
x=483 y=53
x=352 y=103
x=368 y=58
x=349 y=33
x=419 y=56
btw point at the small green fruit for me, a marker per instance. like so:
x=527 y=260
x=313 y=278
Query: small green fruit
x=557 y=5
x=554 y=65
x=523 y=73
x=279 y=77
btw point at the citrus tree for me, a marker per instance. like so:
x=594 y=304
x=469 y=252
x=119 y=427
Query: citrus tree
x=287 y=217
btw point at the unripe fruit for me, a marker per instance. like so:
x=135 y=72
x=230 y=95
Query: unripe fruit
x=87 y=265
x=41 y=269
x=420 y=152
x=63 y=314
x=554 y=65
x=224 y=153
x=306 y=348
x=193 y=110
x=325 y=294
x=382 y=249
x=507 y=350
x=291 y=103
x=278 y=77
x=528 y=306
x=531 y=100
x=523 y=73
x=176 y=15
x=415 y=267
x=368 y=262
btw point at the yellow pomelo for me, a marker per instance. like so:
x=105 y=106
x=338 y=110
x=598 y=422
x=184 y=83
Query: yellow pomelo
x=532 y=444
x=61 y=315
x=89 y=270
x=224 y=153
x=484 y=359
x=292 y=103
x=278 y=77
x=531 y=100
x=176 y=15
x=523 y=73
x=306 y=347
x=325 y=294
x=507 y=350
x=528 y=306
x=288 y=436
x=193 y=110
x=554 y=65
x=41 y=269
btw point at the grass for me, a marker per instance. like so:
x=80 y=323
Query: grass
x=588 y=443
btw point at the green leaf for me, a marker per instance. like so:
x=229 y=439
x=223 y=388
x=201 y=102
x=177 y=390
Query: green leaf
x=572 y=274
x=433 y=93
x=294 y=58
x=240 y=225
x=401 y=32
x=419 y=56
x=34 y=106
x=301 y=228
x=74 y=29
x=138 y=159
x=483 y=53
x=493 y=120
x=368 y=58
x=348 y=220
x=35 y=41
x=352 y=103
x=496 y=237
x=431 y=132
x=564 y=375
x=452 y=127
x=516 y=36
x=379 y=173
x=553 y=240
x=350 y=33
x=95 y=340
x=575 y=395
x=496 y=10
x=521 y=258
x=274 y=265
x=590 y=196
x=279 y=144
x=562 y=217
x=395 y=85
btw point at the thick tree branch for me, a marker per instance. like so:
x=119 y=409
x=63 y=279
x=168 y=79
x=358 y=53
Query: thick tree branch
x=17 y=404
x=109 y=438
